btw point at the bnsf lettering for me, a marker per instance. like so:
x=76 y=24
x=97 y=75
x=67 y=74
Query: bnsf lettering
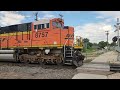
x=41 y=34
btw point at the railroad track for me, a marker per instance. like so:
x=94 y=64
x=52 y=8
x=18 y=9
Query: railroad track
x=46 y=66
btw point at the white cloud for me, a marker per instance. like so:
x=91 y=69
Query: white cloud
x=48 y=16
x=109 y=15
x=28 y=16
x=114 y=14
x=95 y=32
x=10 y=18
x=100 y=17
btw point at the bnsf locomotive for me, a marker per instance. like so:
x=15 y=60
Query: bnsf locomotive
x=43 y=41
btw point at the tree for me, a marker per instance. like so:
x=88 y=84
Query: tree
x=87 y=43
x=113 y=44
x=85 y=40
x=102 y=44
x=90 y=44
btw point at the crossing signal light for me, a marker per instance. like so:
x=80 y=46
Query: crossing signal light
x=114 y=39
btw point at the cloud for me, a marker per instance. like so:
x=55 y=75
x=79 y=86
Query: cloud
x=28 y=16
x=109 y=16
x=114 y=14
x=45 y=14
x=95 y=32
x=10 y=18
x=100 y=17
x=48 y=16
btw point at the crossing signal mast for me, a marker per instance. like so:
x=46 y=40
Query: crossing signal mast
x=118 y=41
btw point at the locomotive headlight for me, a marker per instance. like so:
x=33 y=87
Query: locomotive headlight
x=55 y=42
x=47 y=51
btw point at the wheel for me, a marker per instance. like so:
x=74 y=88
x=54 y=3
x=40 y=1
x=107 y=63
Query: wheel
x=27 y=62
x=21 y=59
x=59 y=62
x=39 y=61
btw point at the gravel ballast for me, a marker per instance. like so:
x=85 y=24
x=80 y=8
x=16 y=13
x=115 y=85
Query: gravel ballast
x=35 y=71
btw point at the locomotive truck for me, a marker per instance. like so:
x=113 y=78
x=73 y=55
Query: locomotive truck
x=43 y=41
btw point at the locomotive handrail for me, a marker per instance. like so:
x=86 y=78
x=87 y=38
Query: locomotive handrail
x=64 y=47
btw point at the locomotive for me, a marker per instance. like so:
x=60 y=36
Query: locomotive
x=42 y=41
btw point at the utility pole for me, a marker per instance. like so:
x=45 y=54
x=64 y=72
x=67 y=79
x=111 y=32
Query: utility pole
x=107 y=33
x=118 y=42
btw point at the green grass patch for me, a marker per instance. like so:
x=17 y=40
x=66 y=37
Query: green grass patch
x=90 y=50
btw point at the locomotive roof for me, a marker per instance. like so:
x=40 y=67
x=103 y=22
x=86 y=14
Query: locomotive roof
x=16 y=24
x=41 y=21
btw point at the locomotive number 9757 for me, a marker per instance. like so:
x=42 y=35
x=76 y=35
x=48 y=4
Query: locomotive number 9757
x=41 y=34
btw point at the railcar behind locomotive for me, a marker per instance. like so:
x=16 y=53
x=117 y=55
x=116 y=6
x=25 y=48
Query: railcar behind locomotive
x=43 y=41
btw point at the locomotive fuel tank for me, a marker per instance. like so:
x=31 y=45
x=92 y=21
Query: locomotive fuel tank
x=7 y=55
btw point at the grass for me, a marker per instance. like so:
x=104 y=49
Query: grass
x=91 y=54
x=91 y=50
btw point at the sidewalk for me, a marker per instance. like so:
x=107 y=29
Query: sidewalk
x=98 y=68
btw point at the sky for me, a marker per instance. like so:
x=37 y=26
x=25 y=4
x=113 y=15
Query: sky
x=87 y=24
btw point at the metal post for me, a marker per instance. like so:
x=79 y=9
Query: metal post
x=118 y=58
x=118 y=31
x=107 y=33
x=118 y=42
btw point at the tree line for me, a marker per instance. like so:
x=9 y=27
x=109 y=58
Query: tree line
x=100 y=45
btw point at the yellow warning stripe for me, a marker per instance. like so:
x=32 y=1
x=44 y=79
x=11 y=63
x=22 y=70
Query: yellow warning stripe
x=42 y=46
x=14 y=34
x=39 y=46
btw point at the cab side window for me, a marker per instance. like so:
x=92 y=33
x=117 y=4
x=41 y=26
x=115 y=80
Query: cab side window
x=35 y=27
x=54 y=24
x=39 y=26
x=43 y=26
x=47 y=25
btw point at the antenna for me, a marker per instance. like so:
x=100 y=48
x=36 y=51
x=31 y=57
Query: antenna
x=61 y=15
x=36 y=15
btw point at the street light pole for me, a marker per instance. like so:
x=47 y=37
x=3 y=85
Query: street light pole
x=107 y=33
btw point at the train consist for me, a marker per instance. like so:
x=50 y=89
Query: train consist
x=43 y=41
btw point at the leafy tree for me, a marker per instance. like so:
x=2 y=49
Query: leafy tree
x=102 y=44
x=90 y=44
x=113 y=44
x=86 y=42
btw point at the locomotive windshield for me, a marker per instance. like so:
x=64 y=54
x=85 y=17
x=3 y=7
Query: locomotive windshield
x=57 y=24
